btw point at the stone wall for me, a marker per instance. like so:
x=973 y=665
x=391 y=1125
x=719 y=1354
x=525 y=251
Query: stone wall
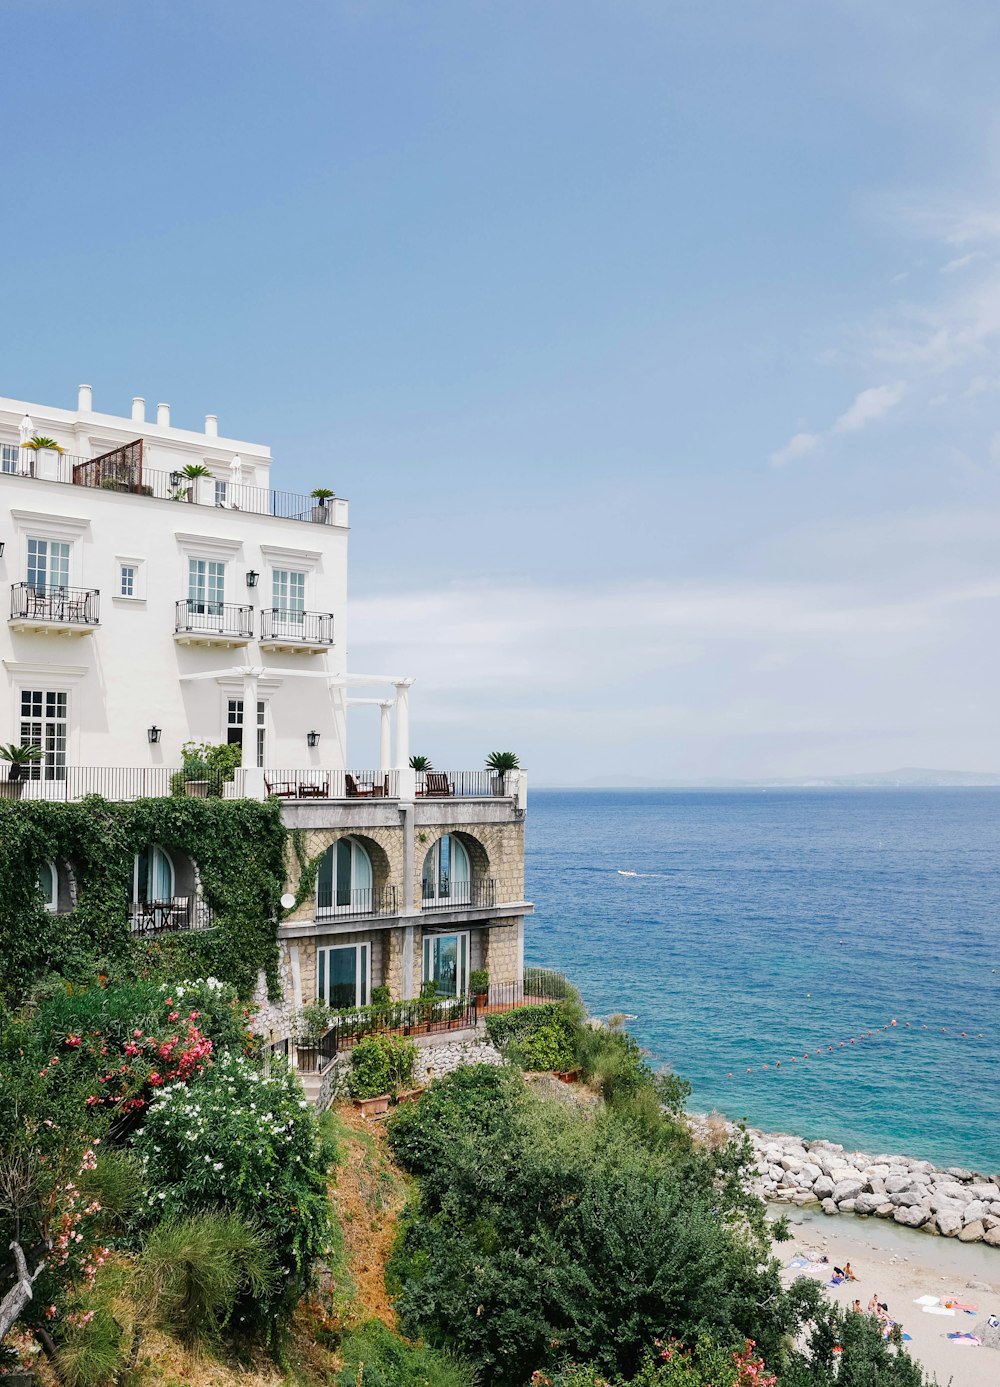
x=496 y=850
x=384 y=846
x=274 y=1020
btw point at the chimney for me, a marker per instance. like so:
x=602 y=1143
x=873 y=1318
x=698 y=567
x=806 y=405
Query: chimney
x=138 y=409
x=163 y=415
x=212 y=425
x=85 y=399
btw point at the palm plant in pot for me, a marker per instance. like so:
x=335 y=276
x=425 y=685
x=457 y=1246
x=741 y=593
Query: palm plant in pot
x=192 y=472
x=501 y=763
x=320 y=513
x=19 y=758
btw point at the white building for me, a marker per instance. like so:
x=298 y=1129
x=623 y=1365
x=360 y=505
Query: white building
x=142 y=598
x=151 y=606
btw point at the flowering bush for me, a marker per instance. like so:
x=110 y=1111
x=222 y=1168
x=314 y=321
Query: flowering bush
x=672 y=1365
x=236 y=1139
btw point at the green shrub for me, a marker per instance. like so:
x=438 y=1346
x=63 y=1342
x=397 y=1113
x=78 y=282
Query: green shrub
x=376 y=1357
x=548 y=1047
x=507 y=1027
x=236 y=1140
x=479 y=981
x=381 y=997
x=198 y=1269
x=381 y=1064
x=91 y=1346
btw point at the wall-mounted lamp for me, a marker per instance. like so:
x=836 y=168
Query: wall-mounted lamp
x=312 y=739
x=1 y=548
x=252 y=578
x=175 y=479
x=153 y=733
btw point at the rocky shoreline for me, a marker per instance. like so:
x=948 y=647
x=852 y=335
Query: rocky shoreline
x=953 y=1203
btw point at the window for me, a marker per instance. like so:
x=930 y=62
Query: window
x=44 y=724
x=288 y=591
x=154 y=876
x=126 y=580
x=446 y=963
x=10 y=457
x=234 y=725
x=206 y=586
x=221 y=492
x=343 y=975
x=447 y=874
x=48 y=884
x=48 y=564
x=344 y=881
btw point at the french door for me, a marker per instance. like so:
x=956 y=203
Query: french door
x=446 y=963
x=343 y=975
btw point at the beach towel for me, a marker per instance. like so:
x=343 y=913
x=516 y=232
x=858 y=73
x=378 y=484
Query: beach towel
x=938 y=1310
x=972 y=1339
x=797 y=1262
x=958 y=1305
x=835 y=1281
x=928 y=1300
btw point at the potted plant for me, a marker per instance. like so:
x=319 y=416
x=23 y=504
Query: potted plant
x=41 y=444
x=501 y=763
x=19 y=758
x=320 y=513
x=206 y=767
x=190 y=473
x=420 y=763
x=479 y=986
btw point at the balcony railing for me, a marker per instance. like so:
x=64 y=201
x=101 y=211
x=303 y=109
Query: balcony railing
x=124 y=470
x=365 y=901
x=214 y=618
x=465 y=895
x=58 y=605
x=169 y=916
x=315 y=784
x=465 y=784
x=305 y=628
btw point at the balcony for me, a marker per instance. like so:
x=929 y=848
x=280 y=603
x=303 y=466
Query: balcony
x=466 y=784
x=360 y=904
x=213 y=624
x=295 y=633
x=461 y=895
x=56 y=611
x=124 y=470
x=345 y=785
x=170 y=916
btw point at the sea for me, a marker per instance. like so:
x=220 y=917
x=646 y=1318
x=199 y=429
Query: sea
x=818 y=962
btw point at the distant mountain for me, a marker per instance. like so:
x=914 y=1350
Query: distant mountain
x=907 y=778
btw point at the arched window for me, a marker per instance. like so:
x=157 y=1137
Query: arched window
x=447 y=874
x=344 y=881
x=154 y=875
x=48 y=884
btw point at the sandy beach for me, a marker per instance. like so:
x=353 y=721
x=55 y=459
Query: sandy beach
x=901 y=1266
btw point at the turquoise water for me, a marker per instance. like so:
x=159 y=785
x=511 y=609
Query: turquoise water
x=765 y=925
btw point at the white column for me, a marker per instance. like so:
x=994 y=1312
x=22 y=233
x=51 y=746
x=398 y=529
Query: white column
x=385 y=735
x=138 y=409
x=163 y=415
x=402 y=723
x=212 y=425
x=85 y=399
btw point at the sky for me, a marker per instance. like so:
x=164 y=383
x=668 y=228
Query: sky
x=656 y=343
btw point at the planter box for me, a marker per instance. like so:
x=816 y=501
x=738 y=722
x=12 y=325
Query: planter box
x=197 y=789
x=409 y=1095
x=481 y=999
x=371 y=1107
x=567 y=1076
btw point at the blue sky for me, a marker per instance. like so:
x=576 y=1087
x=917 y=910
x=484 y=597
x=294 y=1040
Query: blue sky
x=657 y=345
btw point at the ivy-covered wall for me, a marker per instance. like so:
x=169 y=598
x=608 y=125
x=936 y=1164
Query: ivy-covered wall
x=238 y=845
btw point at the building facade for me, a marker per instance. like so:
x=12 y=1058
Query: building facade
x=161 y=593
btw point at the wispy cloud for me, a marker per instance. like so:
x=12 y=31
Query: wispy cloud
x=864 y=409
x=961 y=262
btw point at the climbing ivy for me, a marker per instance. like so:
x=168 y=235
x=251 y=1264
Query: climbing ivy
x=238 y=845
x=308 y=870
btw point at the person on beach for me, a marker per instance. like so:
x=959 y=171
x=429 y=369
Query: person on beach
x=873 y=1304
x=856 y=1307
x=848 y=1272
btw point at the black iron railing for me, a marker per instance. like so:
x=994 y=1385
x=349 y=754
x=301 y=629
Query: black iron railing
x=170 y=916
x=62 y=606
x=465 y=895
x=430 y=1016
x=317 y=784
x=465 y=784
x=368 y=900
x=215 y=618
x=307 y=628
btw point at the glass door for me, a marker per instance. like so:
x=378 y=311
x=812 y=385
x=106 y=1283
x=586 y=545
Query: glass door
x=44 y=723
x=343 y=975
x=289 y=596
x=446 y=963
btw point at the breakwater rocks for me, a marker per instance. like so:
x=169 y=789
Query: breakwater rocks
x=954 y=1203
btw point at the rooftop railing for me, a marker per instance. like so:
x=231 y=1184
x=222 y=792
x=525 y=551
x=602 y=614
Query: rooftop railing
x=124 y=470
x=317 y=784
x=465 y=784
